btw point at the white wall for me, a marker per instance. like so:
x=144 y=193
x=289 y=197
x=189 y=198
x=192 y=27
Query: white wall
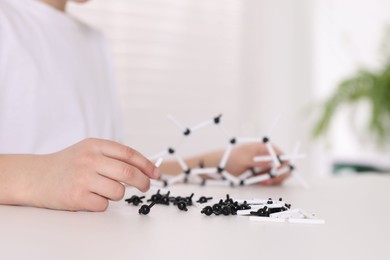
x=276 y=69
x=171 y=56
x=249 y=59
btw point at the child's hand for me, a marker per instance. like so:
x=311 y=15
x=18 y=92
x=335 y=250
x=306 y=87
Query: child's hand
x=241 y=159
x=87 y=175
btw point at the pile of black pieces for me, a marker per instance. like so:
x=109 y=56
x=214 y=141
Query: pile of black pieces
x=164 y=199
x=223 y=207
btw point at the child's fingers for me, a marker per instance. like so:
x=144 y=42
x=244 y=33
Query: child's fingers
x=130 y=156
x=106 y=187
x=123 y=172
x=95 y=202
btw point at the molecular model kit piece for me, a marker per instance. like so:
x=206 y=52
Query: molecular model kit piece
x=263 y=210
x=219 y=176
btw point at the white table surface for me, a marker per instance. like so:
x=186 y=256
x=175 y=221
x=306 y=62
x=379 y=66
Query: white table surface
x=356 y=210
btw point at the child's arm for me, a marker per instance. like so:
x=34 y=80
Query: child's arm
x=240 y=160
x=81 y=177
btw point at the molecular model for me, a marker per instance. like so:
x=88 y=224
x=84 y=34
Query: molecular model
x=264 y=210
x=219 y=175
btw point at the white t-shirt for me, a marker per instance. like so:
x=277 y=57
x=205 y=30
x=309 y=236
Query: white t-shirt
x=56 y=84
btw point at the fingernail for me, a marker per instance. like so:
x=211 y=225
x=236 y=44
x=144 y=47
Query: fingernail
x=156 y=173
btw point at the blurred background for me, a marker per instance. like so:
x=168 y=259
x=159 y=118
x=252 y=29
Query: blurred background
x=250 y=60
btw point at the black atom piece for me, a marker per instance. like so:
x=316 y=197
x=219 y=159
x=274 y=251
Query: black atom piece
x=182 y=205
x=235 y=206
x=244 y=206
x=270 y=201
x=171 y=150
x=265 y=139
x=220 y=169
x=233 y=140
x=280 y=199
x=188 y=171
x=217 y=119
x=291 y=167
x=204 y=199
x=175 y=200
x=208 y=210
x=203 y=183
x=165 y=199
x=145 y=209
x=228 y=200
x=188 y=200
x=201 y=164
x=253 y=171
x=217 y=209
x=233 y=210
x=274 y=210
x=159 y=198
x=156 y=197
x=185 y=180
x=279 y=159
x=217 y=206
x=135 y=200
x=263 y=212
x=242 y=183
x=225 y=210
x=187 y=132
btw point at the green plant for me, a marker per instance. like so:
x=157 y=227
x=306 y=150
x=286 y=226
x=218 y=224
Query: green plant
x=372 y=86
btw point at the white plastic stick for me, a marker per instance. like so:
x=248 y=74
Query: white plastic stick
x=267 y=158
x=230 y=177
x=270 y=206
x=244 y=212
x=245 y=175
x=256 y=179
x=272 y=153
x=242 y=140
x=159 y=161
x=196 y=179
x=157 y=183
x=182 y=163
x=156 y=156
x=253 y=201
x=198 y=171
x=225 y=156
x=307 y=214
x=300 y=179
x=285 y=214
x=177 y=123
x=283 y=170
x=294 y=172
x=201 y=125
x=176 y=179
x=217 y=183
